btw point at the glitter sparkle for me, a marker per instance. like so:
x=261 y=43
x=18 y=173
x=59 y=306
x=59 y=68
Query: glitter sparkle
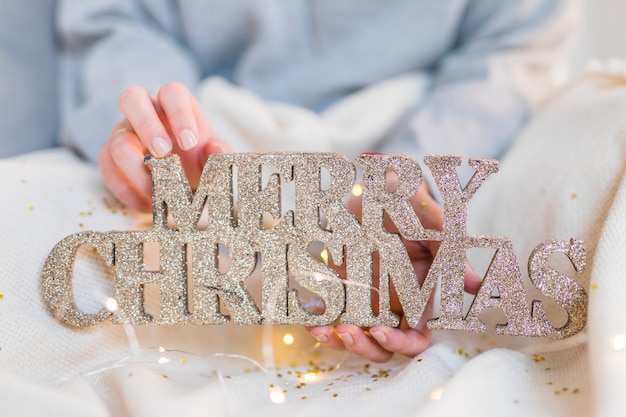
x=186 y=249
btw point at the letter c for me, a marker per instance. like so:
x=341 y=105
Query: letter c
x=57 y=277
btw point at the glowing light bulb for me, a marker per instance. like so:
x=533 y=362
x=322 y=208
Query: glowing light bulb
x=161 y=349
x=318 y=277
x=277 y=396
x=310 y=376
x=436 y=394
x=618 y=341
x=324 y=255
x=357 y=190
x=288 y=339
x=111 y=304
x=163 y=360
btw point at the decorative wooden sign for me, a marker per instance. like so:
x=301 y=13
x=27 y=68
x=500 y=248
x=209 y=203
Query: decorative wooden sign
x=284 y=250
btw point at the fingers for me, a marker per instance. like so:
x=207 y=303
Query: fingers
x=173 y=122
x=377 y=345
x=123 y=170
x=141 y=113
x=358 y=341
x=353 y=339
x=472 y=279
x=177 y=104
x=409 y=342
x=427 y=209
x=327 y=336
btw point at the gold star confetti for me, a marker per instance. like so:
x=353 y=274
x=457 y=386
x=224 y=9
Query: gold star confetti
x=538 y=358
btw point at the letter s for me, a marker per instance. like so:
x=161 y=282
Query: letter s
x=559 y=287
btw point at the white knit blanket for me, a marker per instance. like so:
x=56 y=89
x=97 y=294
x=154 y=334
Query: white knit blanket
x=563 y=178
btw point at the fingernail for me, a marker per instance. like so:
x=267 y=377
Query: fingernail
x=379 y=336
x=188 y=139
x=347 y=338
x=216 y=148
x=121 y=131
x=118 y=138
x=322 y=338
x=160 y=146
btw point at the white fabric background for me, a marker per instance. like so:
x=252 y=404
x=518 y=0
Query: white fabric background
x=562 y=179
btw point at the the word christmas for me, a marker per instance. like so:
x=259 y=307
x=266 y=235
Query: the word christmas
x=194 y=290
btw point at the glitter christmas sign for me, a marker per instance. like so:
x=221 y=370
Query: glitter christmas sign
x=192 y=287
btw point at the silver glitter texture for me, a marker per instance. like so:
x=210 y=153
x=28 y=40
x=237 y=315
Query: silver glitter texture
x=559 y=287
x=192 y=287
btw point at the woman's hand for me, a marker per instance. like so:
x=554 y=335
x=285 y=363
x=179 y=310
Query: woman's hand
x=170 y=123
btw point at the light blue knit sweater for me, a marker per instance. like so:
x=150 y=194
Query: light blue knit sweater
x=489 y=58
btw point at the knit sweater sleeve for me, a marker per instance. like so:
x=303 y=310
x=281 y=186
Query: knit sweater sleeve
x=109 y=46
x=505 y=59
